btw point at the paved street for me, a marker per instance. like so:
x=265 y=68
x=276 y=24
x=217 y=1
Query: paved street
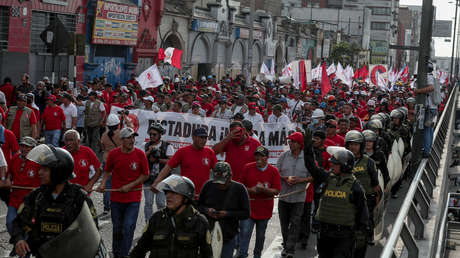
x=272 y=248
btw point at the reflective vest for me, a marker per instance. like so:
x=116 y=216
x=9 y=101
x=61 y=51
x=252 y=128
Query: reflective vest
x=93 y=116
x=335 y=205
x=25 y=128
x=360 y=171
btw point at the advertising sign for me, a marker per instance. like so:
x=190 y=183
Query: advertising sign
x=442 y=28
x=204 y=26
x=115 y=24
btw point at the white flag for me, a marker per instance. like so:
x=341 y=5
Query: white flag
x=272 y=67
x=264 y=69
x=331 y=69
x=381 y=82
x=150 y=78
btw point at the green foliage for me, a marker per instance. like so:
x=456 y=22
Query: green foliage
x=344 y=53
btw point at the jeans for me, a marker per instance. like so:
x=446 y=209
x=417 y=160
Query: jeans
x=247 y=227
x=124 y=218
x=290 y=214
x=228 y=248
x=160 y=199
x=106 y=195
x=52 y=137
x=10 y=216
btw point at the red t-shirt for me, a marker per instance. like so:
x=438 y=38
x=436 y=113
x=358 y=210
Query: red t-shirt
x=261 y=206
x=27 y=176
x=10 y=146
x=194 y=164
x=83 y=159
x=337 y=139
x=36 y=111
x=125 y=168
x=15 y=128
x=8 y=90
x=239 y=156
x=53 y=117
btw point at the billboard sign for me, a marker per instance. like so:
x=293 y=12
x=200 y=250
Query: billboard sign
x=115 y=24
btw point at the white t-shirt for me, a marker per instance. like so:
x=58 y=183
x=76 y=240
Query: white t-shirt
x=255 y=119
x=69 y=112
x=2 y=159
x=283 y=119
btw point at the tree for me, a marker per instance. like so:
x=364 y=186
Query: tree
x=344 y=53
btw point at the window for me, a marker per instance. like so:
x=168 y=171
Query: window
x=41 y=20
x=381 y=11
x=4 y=27
x=380 y=26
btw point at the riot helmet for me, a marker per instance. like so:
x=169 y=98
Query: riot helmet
x=58 y=160
x=343 y=157
x=411 y=100
x=180 y=185
x=354 y=136
x=369 y=136
x=396 y=113
x=374 y=124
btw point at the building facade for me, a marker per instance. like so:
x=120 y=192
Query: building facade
x=45 y=36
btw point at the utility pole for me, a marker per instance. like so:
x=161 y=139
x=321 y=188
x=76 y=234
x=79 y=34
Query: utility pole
x=250 y=40
x=453 y=44
x=424 y=55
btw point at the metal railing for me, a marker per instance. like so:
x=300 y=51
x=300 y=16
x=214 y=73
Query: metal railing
x=446 y=226
x=416 y=205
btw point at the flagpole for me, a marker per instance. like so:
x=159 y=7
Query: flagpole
x=453 y=44
x=250 y=40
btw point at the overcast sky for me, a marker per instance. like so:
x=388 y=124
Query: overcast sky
x=444 y=11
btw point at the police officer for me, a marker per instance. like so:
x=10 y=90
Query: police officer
x=377 y=127
x=366 y=172
x=376 y=154
x=342 y=207
x=55 y=209
x=179 y=230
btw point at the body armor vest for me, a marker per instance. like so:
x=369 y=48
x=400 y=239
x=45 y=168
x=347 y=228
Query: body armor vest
x=335 y=206
x=360 y=171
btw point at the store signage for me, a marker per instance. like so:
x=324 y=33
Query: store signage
x=115 y=24
x=205 y=26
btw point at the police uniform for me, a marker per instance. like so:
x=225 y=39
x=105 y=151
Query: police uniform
x=172 y=235
x=342 y=208
x=43 y=217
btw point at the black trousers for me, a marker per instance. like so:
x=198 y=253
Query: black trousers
x=305 y=224
x=335 y=244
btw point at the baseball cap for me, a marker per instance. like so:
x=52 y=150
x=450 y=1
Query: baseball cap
x=221 y=172
x=252 y=105
x=261 y=150
x=28 y=141
x=127 y=132
x=45 y=78
x=296 y=137
x=149 y=98
x=200 y=132
x=196 y=103
x=22 y=97
x=52 y=98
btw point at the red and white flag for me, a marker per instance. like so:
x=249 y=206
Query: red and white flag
x=150 y=78
x=173 y=56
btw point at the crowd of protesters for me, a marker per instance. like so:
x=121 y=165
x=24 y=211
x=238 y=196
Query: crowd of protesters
x=78 y=118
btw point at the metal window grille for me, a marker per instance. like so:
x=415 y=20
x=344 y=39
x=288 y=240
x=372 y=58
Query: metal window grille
x=4 y=27
x=41 y=20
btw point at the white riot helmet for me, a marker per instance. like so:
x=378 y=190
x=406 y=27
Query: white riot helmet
x=113 y=120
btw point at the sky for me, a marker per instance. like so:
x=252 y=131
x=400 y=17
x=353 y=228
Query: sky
x=444 y=11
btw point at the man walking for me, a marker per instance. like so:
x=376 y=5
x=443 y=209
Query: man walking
x=53 y=118
x=129 y=168
x=294 y=177
x=22 y=120
x=94 y=118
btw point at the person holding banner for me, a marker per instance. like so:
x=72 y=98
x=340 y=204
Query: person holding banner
x=195 y=160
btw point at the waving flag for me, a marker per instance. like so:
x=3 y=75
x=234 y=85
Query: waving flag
x=264 y=69
x=325 y=83
x=173 y=56
x=331 y=69
x=150 y=78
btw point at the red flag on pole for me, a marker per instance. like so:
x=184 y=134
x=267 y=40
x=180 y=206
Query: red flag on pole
x=325 y=83
x=303 y=78
x=357 y=72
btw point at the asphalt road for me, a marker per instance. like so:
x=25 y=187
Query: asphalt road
x=272 y=247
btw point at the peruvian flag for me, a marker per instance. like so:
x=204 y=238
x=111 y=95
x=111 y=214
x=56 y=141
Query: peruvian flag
x=173 y=56
x=325 y=83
